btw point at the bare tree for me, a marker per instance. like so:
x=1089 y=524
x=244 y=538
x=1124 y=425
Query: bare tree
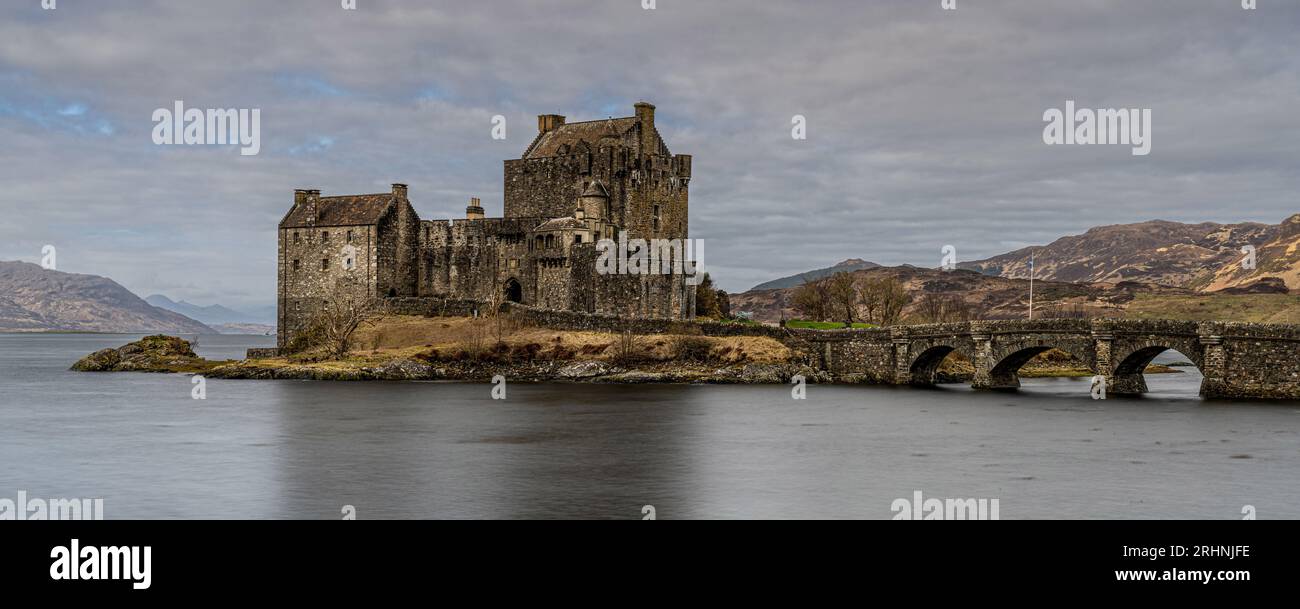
x=345 y=310
x=811 y=301
x=842 y=293
x=884 y=299
x=502 y=324
x=939 y=307
x=930 y=307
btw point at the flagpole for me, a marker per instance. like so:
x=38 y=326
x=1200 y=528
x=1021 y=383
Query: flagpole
x=1031 y=285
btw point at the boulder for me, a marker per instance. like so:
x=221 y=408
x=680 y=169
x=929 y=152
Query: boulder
x=157 y=353
x=583 y=370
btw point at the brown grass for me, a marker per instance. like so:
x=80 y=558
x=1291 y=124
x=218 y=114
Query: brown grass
x=408 y=336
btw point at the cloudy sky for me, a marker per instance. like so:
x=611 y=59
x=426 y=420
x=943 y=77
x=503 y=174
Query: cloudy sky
x=924 y=125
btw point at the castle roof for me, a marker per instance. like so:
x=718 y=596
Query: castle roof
x=350 y=210
x=567 y=222
x=548 y=144
x=596 y=189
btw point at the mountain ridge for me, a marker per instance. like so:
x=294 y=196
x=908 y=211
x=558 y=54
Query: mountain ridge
x=37 y=299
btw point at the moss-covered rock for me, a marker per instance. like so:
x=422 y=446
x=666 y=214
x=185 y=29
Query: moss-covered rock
x=157 y=353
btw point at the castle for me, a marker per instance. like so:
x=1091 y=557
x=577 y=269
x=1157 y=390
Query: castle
x=576 y=184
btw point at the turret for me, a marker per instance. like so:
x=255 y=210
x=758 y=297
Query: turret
x=645 y=114
x=593 y=201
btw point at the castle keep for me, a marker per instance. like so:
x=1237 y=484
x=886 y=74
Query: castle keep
x=576 y=183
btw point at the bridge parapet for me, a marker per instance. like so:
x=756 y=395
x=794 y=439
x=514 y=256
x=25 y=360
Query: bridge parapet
x=1238 y=360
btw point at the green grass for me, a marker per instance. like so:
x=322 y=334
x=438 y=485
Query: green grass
x=823 y=325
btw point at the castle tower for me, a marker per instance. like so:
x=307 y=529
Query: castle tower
x=645 y=114
x=593 y=201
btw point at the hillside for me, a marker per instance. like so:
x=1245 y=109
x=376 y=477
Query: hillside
x=852 y=264
x=36 y=299
x=1203 y=257
x=993 y=297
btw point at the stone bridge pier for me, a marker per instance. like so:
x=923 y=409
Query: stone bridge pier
x=1237 y=360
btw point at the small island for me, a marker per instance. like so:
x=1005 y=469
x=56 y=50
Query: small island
x=455 y=348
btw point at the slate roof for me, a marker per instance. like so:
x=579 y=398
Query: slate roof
x=595 y=189
x=350 y=210
x=548 y=144
x=568 y=222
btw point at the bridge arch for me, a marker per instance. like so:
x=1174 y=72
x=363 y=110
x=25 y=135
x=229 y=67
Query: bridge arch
x=924 y=369
x=1130 y=362
x=1008 y=356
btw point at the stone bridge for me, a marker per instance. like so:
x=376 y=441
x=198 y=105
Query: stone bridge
x=1238 y=360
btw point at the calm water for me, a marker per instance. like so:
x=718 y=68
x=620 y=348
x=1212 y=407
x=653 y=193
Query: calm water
x=299 y=449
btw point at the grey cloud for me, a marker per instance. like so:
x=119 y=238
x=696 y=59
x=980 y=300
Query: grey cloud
x=924 y=125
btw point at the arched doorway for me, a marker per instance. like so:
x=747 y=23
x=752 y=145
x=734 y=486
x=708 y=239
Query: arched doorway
x=513 y=291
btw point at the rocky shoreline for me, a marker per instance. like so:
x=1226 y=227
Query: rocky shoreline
x=584 y=371
x=163 y=354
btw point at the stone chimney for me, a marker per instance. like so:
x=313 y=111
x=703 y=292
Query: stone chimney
x=312 y=196
x=474 y=211
x=399 y=191
x=299 y=197
x=549 y=122
x=645 y=114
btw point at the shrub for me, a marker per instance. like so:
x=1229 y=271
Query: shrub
x=527 y=353
x=692 y=348
x=629 y=349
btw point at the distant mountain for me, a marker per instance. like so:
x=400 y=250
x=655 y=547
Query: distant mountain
x=256 y=329
x=210 y=314
x=852 y=264
x=1204 y=257
x=36 y=299
x=988 y=296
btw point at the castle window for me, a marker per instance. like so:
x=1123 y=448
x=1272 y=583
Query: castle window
x=656 y=219
x=550 y=241
x=295 y=262
x=348 y=264
x=577 y=238
x=324 y=264
x=325 y=237
x=296 y=238
x=349 y=236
